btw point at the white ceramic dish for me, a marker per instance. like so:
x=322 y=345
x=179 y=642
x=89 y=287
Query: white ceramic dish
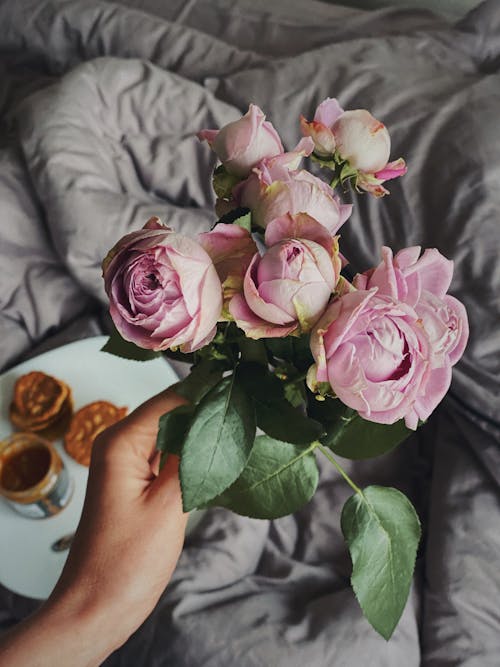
x=28 y=566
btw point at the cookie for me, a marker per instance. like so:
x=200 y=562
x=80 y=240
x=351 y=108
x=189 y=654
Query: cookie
x=41 y=404
x=86 y=425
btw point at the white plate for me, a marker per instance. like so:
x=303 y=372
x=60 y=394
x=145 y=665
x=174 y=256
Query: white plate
x=27 y=564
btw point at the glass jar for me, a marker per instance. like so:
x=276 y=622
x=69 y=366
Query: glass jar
x=33 y=477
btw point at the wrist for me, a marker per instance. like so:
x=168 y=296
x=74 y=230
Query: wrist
x=64 y=630
x=58 y=631
x=91 y=629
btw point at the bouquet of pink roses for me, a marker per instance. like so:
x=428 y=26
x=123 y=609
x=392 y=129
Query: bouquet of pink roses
x=279 y=340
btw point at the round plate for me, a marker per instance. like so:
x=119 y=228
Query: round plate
x=28 y=566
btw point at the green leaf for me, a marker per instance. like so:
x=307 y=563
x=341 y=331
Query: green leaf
x=223 y=182
x=292 y=349
x=274 y=414
x=302 y=356
x=253 y=350
x=218 y=443
x=281 y=348
x=177 y=355
x=172 y=430
x=201 y=379
x=351 y=436
x=123 y=348
x=244 y=221
x=278 y=479
x=347 y=172
x=329 y=163
x=382 y=531
x=295 y=393
x=237 y=215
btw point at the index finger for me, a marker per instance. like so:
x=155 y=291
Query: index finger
x=141 y=425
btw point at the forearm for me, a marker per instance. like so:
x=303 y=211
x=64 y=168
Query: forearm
x=125 y=549
x=58 y=634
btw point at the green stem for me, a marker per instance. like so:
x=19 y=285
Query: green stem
x=326 y=453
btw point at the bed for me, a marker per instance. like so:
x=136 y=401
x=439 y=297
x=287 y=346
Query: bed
x=99 y=106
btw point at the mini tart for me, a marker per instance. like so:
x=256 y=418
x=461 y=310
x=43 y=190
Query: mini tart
x=85 y=426
x=41 y=404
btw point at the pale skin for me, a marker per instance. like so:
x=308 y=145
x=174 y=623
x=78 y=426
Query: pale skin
x=126 y=547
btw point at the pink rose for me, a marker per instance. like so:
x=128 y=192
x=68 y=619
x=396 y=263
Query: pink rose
x=320 y=128
x=163 y=289
x=273 y=191
x=231 y=249
x=358 y=138
x=240 y=145
x=286 y=290
x=422 y=283
x=375 y=355
x=303 y=226
x=362 y=140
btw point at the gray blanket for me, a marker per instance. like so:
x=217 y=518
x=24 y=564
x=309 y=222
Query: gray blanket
x=99 y=105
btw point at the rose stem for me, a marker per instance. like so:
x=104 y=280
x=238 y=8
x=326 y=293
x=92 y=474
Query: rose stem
x=340 y=469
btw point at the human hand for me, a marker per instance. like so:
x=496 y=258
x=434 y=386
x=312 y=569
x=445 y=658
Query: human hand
x=125 y=549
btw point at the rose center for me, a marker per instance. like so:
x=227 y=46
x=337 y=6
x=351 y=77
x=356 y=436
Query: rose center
x=150 y=282
x=384 y=351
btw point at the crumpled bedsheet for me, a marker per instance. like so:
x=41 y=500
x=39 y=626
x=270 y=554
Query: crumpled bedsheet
x=99 y=106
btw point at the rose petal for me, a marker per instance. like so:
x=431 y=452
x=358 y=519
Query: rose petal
x=253 y=326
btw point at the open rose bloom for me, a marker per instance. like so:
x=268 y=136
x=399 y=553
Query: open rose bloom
x=279 y=340
x=163 y=289
x=387 y=348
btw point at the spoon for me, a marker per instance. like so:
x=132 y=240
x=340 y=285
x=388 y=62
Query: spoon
x=63 y=543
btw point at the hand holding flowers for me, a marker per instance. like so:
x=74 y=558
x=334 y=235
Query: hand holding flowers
x=278 y=339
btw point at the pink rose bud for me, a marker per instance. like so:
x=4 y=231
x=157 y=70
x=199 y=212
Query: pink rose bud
x=163 y=289
x=302 y=226
x=422 y=283
x=240 y=145
x=320 y=128
x=286 y=290
x=358 y=138
x=231 y=249
x=272 y=192
x=362 y=140
x=376 y=357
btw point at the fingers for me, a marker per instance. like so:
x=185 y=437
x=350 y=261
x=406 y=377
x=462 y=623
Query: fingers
x=141 y=426
x=146 y=416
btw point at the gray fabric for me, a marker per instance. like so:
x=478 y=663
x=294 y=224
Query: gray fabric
x=99 y=104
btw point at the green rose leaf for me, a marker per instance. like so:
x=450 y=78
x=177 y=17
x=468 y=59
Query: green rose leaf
x=347 y=172
x=244 y=221
x=295 y=393
x=382 y=530
x=278 y=479
x=291 y=349
x=238 y=216
x=123 y=348
x=274 y=414
x=223 y=182
x=351 y=436
x=253 y=350
x=201 y=379
x=281 y=348
x=218 y=442
x=328 y=162
x=172 y=430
